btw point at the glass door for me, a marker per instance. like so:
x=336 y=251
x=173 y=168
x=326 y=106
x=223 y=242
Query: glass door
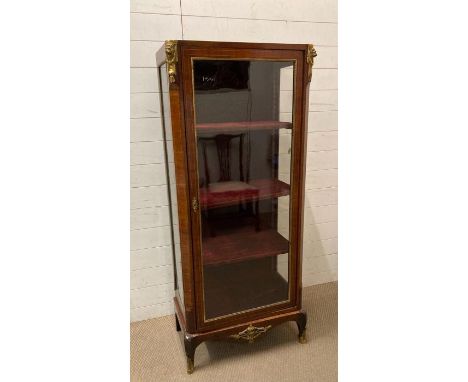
x=243 y=126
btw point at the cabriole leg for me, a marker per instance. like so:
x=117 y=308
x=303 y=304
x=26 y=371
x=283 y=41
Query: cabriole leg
x=177 y=323
x=301 y=322
x=190 y=346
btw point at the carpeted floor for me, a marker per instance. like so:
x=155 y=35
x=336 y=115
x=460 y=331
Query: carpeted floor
x=157 y=353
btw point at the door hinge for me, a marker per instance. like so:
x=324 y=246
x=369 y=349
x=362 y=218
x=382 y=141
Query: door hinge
x=195 y=204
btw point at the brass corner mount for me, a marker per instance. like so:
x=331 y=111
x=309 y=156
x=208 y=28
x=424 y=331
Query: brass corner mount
x=171 y=59
x=311 y=54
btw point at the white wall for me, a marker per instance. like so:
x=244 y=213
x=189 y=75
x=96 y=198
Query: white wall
x=152 y=22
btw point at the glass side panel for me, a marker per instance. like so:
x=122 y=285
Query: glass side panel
x=243 y=124
x=171 y=182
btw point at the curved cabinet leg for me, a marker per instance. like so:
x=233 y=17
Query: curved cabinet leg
x=177 y=323
x=190 y=344
x=301 y=322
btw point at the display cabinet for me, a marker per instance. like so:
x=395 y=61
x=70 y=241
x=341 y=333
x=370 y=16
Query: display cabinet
x=235 y=127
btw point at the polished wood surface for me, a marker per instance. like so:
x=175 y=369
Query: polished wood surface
x=242 y=244
x=253 y=284
x=188 y=309
x=199 y=256
x=240 y=126
x=261 y=189
x=247 y=52
x=192 y=340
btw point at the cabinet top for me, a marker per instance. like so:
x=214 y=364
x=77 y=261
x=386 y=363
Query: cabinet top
x=160 y=55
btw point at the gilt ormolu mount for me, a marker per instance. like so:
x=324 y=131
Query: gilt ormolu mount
x=234 y=118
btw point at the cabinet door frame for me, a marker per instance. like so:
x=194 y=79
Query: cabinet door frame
x=240 y=51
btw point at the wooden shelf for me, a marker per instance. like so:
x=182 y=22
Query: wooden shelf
x=242 y=244
x=237 y=287
x=259 y=189
x=239 y=126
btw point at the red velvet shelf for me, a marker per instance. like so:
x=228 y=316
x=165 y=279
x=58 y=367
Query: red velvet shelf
x=243 y=244
x=259 y=189
x=248 y=125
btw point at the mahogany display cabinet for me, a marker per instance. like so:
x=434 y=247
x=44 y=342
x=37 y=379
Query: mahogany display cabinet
x=235 y=127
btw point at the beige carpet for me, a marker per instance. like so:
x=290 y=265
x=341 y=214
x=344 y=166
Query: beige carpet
x=157 y=353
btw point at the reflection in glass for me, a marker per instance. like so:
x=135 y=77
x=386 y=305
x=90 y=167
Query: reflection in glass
x=171 y=181
x=243 y=113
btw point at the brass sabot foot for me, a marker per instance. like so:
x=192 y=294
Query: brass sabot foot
x=303 y=338
x=189 y=366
